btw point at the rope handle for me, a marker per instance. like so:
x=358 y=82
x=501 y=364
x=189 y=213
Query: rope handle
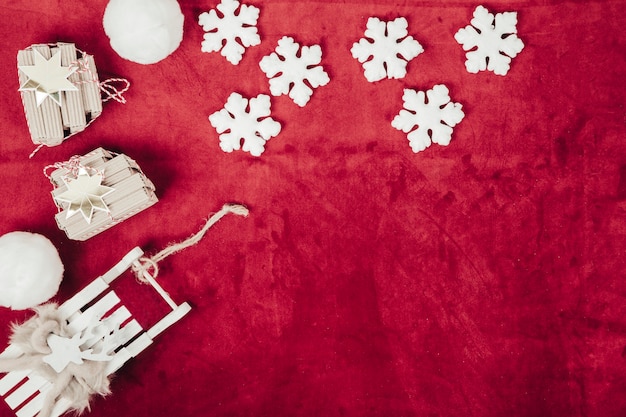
x=150 y=266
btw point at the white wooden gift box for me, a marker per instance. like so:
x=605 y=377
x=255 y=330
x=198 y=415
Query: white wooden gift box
x=133 y=192
x=49 y=123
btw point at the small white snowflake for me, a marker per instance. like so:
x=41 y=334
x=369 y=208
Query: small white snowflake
x=292 y=74
x=389 y=50
x=433 y=119
x=231 y=33
x=245 y=120
x=491 y=41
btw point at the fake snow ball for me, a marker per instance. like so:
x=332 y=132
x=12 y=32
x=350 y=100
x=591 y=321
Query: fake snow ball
x=144 y=31
x=30 y=270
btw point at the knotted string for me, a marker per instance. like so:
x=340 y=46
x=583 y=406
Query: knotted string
x=150 y=266
x=73 y=166
x=107 y=86
x=112 y=92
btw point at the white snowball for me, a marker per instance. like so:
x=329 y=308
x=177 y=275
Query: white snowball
x=30 y=270
x=144 y=31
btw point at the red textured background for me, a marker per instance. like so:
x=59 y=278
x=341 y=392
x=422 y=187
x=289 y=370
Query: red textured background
x=485 y=278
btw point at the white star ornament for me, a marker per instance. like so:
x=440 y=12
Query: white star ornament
x=47 y=78
x=85 y=195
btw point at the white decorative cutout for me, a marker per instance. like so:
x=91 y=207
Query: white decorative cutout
x=231 y=33
x=491 y=41
x=245 y=120
x=429 y=121
x=67 y=350
x=47 y=78
x=85 y=194
x=104 y=335
x=386 y=49
x=292 y=74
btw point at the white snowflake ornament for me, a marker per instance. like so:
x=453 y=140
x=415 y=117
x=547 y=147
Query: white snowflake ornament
x=247 y=121
x=491 y=41
x=231 y=33
x=292 y=73
x=428 y=121
x=386 y=49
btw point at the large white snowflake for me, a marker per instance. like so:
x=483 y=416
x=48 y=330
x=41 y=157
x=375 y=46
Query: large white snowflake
x=491 y=41
x=292 y=73
x=428 y=121
x=386 y=49
x=247 y=121
x=231 y=33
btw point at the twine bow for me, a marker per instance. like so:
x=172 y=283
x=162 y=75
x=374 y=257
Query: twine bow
x=73 y=166
x=111 y=92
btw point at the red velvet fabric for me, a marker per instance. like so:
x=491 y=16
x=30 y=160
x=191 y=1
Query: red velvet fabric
x=480 y=279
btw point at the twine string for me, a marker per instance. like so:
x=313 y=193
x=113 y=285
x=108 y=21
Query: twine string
x=150 y=266
x=73 y=166
x=111 y=92
x=82 y=67
x=37 y=149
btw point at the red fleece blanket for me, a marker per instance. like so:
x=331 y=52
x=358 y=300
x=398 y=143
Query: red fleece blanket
x=484 y=278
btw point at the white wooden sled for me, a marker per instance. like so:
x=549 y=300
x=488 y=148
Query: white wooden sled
x=25 y=391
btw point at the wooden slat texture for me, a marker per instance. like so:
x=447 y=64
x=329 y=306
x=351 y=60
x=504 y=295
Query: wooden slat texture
x=53 y=124
x=50 y=124
x=34 y=117
x=133 y=193
x=10 y=380
x=79 y=322
x=91 y=90
x=83 y=297
x=31 y=408
x=94 y=159
x=112 y=323
x=72 y=109
x=25 y=391
x=123 y=264
x=10 y=352
x=168 y=320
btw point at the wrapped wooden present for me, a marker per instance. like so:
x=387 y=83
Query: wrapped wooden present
x=60 y=90
x=97 y=191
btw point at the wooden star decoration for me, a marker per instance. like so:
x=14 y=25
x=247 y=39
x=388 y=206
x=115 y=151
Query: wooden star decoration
x=47 y=78
x=85 y=194
x=66 y=350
